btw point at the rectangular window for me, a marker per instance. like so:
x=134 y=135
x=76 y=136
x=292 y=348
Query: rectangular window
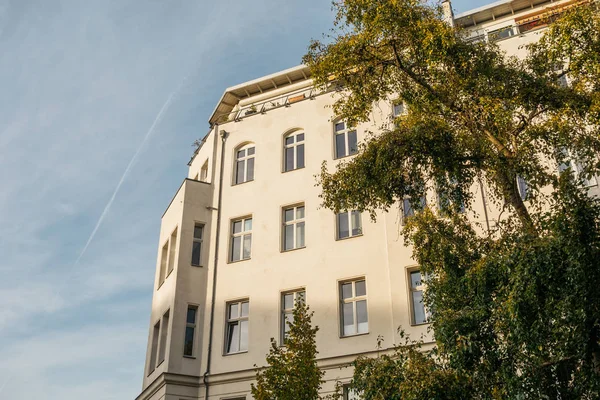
x=294 y=151
x=204 y=172
x=163 y=263
x=408 y=210
x=197 y=245
x=288 y=302
x=419 y=313
x=501 y=33
x=349 y=224
x=346 y=142
x=154 y=348
x=577 y=167
x=244 y=165
x=522 y=187
x=349 y=394
x=236 y=331
x=353 y=303
x=190 y=331
x=164 y=329
x=293 y=227
x=172 y=251
x=241 y=239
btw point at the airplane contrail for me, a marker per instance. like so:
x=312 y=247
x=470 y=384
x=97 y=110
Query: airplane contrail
x=157 y=119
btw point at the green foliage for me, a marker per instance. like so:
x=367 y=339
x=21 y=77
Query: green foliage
x=292 y=373
x=516 y=312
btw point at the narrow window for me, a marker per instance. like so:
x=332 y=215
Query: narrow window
x=244 y=164
x=197 y=245
x=346 y=142
x=349 y=224
x=353 y=298
x=397 y=110
x=164 y=329
x=294 y=151
x=288 y=302
x=172 y=251
x=293 y=227
x=241 y=239
x=204 y=172
x=154 y=348
x=236 y=331
x=418 y=311
x=163 y=263
x=349 y=393
x=190 y=330
x=522 y=187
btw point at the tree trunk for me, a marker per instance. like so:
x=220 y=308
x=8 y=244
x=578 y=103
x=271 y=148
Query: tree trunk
x=507 y=181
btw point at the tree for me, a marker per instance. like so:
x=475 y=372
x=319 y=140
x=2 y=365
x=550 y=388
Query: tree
x=516 y=310
x=292 y=373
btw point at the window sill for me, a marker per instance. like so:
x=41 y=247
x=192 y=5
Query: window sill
x=292 y=170
x=236 y=353
x=342 y=157
x=421 y=324
x=238 y=261
x=197 y=265
x=150 y=373
x=349 y=237
x=190 y=357
x=355 y=335
x=159 y=364
x=290 y=250
x=241 y=183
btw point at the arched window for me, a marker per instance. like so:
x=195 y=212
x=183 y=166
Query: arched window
x=346 y=142
x=244 y=164
x=293 y=151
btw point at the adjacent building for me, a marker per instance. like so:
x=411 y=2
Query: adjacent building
x=245 y=236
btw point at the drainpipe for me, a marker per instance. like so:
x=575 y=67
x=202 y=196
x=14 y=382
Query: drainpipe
x=214 y=285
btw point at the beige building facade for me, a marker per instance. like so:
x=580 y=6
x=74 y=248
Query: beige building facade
x=245 y=236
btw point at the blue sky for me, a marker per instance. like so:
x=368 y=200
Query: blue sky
x=82 y=84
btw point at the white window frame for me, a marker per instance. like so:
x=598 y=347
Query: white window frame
x=575 y=165
x=351 y=225
x=191 y=325
x=348 y=393
x=172 y=251
x=419 y=288
x=243 y=233
x=164 y=257
x=297 y=295
x=197 y=241
x=354 y=300
x=345 y=131
x=295 y=145
x=238 y=320
x=163 y=337
x=245 y=160
x=295 y=222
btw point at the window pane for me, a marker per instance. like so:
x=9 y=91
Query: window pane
x=248 y=224
x=300 y=156
x=407 y=208
x=300 y=234
x=347 y=290
x=398 y=109
x=188 y=346
x=340 y=145
x=244 y=335
x=234 y=310
x=289 y=214
x=299 y=137
x=196 y=247
x=289 y=159
x=343 y=229
x=299 y=212
x=352 y=142
x=241 y=153
x=361 y=316
x=288 y=301
x=339 y=126
x=237 y=226
x=418 y=307
x=245 y=308
x=289 y=140
x=233 y=338
x=348 y=319
x=250 y=173
x=289 y=237
x=198 y=231
x=415 y=279
x=239 y=178
x=251 y=151
x=361 y=288
x=247 y=246
x=236 y=248
x=300 y=297
x=356 y=223
x=288 y=319
x=191 y=315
